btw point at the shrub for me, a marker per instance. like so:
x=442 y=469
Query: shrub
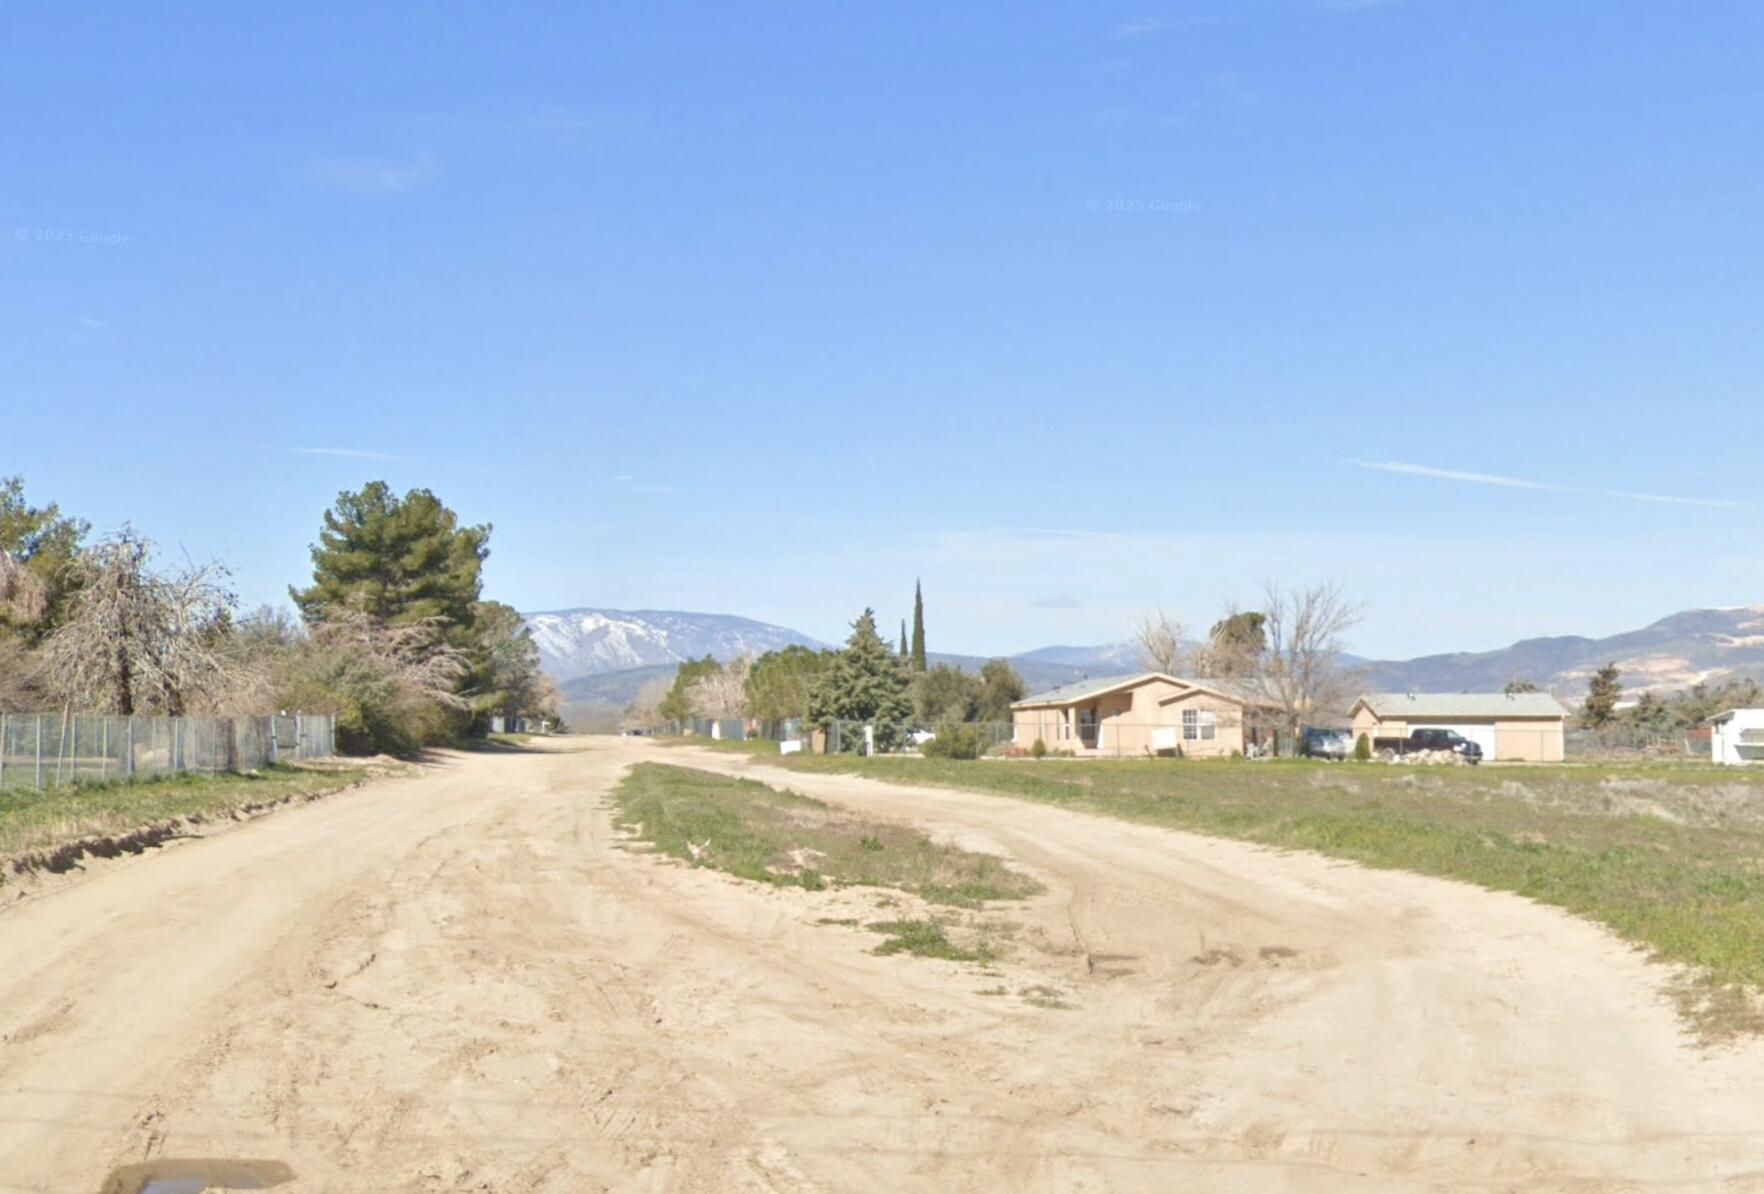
x=1363 y=749
x=1039 y=750
x=953 y=741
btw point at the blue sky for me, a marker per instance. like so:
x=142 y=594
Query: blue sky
x=767 y=308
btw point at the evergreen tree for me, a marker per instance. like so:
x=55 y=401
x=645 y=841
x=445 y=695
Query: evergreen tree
x=778 y=687
x=1000 y=688
x=505 y=676
x=1517 y=685
x=397 y=560
x=918 y=628
x=946 y=693
x=1600 y=707
x=903 y=640
x=1235 y=645
x=864 y=683
x=42 y=542
x=677 y=705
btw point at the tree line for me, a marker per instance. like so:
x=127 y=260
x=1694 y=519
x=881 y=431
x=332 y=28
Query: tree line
x=1662 y=714
x=392 y=636
x=866 y=680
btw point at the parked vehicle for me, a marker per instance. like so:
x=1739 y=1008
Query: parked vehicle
x=1431 y=739
x=1321 y=742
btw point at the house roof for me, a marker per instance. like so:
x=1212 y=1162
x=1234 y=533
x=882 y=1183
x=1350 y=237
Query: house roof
x=1462 y=704
x=1080 y=690
x=1083 y=690
x=1727 y=715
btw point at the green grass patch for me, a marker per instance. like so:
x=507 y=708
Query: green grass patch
x=926 y=939
x=759 y=833
x=41 y=820
x=1669 y=856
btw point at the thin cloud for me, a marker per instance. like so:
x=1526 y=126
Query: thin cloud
x=375 y=177
x=1057 y=601
x=1148 y=26
x=348 y=453
x=1446 y=474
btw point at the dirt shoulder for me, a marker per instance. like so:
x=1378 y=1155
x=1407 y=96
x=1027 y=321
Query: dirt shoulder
x=470 y=981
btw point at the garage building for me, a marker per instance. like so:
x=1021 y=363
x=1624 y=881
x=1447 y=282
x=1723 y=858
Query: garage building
x=1517 y=727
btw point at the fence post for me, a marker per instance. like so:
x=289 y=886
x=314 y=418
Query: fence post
x=104 y=748
x=129 y=763
x=39 y=751
x=2 y=752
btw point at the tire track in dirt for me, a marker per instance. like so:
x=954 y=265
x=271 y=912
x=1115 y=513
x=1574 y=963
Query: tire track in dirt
x=468 y=982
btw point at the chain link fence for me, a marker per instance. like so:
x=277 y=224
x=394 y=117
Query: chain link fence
x=1618 y=742
x=45 y=750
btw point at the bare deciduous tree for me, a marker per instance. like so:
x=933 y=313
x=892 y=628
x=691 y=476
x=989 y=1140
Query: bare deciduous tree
x=391 y=687
x=1300 y=669
x=1159 y=639
x=722 y=693
x=644 y=711
x=414 y=656
x=137 y=640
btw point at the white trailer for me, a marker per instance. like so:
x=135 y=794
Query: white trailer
x=1737 y=736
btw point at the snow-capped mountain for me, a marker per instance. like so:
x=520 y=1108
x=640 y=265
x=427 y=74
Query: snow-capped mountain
x=588 y=642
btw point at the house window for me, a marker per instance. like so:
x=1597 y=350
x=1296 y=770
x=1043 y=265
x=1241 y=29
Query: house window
x=1199 y=725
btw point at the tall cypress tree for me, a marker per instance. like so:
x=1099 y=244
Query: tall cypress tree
x=918 y=628
x=903 y=642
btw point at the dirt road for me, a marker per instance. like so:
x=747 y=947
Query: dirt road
x=462 y=982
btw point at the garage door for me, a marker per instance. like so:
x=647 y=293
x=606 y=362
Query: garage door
x=1481 y=733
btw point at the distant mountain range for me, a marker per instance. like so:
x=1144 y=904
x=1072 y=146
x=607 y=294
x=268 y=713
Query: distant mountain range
x=601 y=657
x=589 y=642
x=1696 y=646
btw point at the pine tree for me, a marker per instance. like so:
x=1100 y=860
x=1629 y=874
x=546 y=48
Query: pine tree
x=865 y=683
x=918 y=628
x=1600 y=706
x=397 y=560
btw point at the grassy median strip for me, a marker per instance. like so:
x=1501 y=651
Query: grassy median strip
x=1671 y=858
x=756 y=832
x=48 y=819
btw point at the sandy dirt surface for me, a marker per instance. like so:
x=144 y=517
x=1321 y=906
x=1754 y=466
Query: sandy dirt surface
x=464 y=982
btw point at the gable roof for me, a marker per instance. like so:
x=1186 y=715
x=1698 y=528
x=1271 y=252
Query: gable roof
x=1462 y=704
x=1079 y=690
x=1083 y=690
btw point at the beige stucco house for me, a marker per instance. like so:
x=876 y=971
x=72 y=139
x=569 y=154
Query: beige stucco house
x=1521 y=727
x=1148 y=713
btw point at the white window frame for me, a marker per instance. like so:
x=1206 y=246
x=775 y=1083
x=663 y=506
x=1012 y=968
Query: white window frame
x=1200 y=725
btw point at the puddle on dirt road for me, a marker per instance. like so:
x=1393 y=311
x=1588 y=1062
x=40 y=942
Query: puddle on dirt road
x=194 y=1176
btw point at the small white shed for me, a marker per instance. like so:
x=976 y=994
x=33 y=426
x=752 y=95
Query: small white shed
x=1737 y=736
